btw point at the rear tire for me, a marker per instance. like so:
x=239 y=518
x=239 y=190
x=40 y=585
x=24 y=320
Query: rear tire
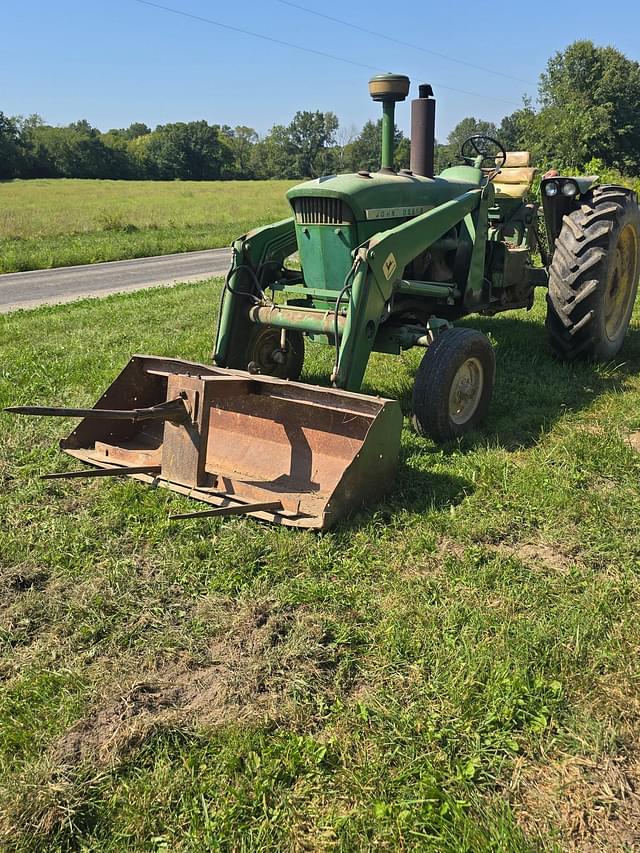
x=593 y=278
x=265 y=356
x=454 y=384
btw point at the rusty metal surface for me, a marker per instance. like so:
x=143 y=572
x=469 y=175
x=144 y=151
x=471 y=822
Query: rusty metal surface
x=277 y=450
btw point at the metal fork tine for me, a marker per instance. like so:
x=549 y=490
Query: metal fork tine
x=235 y=509
x=172 y=410
x=103 y=472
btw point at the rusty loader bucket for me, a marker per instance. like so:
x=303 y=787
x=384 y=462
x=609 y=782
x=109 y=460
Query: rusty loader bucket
x=280 y=451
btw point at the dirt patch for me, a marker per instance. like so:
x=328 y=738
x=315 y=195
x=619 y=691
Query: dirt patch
x=20 y=591
x=552 y=557
x=634 y=440
x=448 y=547
x=270 y=664
x=22 y=578
x=591 y=428
x=590 y=805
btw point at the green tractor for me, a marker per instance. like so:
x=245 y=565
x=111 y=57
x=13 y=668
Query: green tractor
x=391 y=259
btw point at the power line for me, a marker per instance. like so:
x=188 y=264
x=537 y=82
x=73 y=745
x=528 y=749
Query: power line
x=255 y=35
x=403 y=43
x=311 y=50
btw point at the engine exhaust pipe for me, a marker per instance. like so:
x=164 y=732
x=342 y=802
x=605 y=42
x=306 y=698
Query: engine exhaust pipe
x=423 y=126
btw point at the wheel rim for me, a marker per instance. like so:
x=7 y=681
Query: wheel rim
x=268 y=356
x=621 y=283
x=466 y=390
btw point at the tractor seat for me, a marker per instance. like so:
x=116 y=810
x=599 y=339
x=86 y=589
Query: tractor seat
x=514 y=178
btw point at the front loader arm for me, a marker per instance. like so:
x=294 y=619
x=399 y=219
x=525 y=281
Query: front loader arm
x=259 y=254
x=379 y=265
x=389 y=252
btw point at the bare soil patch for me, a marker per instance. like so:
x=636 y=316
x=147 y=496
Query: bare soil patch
x=589 y=805
x=634 y=440
x=544 y=554
x=271 y=662
x=451 y=548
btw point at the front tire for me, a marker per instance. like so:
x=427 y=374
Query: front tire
x=454 y=384
x=593 y=278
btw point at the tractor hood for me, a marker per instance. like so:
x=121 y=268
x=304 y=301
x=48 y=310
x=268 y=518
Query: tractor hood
x=385 y=195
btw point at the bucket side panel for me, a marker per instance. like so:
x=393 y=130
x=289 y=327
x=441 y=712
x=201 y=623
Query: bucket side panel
x=133 y=388
x=267 y=439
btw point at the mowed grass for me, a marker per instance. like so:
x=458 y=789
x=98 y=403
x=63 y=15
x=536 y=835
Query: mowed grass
x=452 y=670
x=54 y=223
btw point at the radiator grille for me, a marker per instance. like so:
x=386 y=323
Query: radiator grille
x=321 y=211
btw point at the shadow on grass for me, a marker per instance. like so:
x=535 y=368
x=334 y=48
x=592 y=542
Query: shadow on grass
x=415 y=491
x=534 y=389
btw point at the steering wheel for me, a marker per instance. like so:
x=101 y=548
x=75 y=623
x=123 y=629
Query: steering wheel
x=485 y=148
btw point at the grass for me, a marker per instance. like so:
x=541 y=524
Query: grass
x=53 y=223
x=453 y=670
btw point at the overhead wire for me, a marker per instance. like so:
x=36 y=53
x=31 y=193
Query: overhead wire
x=303 y=48
x=395 y=40
x=271 y=39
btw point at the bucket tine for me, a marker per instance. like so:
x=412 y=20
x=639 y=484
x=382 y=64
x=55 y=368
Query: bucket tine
x=103 y=472
x=172 y=410
x=235 y=509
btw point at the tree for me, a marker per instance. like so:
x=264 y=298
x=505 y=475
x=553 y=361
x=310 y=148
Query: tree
x=590 y=107
x=240 y=140
x=301 y=149
x=447 y=155
x=191 y=151
x=366 y=149
x=310 y=135
x=274 y=157
x=11 y=150
x=515 y=129
x=136 y=129
x=75 y=151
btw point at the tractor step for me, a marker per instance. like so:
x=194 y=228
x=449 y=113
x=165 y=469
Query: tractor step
x=281 y=451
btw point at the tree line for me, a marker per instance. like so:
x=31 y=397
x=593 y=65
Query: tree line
x=309 y=146
x=588 y=108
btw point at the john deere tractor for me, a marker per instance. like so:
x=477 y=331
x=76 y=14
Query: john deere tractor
x=391 y=259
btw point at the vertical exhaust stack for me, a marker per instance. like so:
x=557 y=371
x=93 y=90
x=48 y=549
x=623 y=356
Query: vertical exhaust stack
x=388 y=88
x=423 y=126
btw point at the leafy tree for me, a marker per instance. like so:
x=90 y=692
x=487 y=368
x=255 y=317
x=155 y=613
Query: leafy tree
x=187 y=150
x=402 y=153
x=590 y=107
x=366 y=150
x=309 y=136
x=75 y=151
x=10 y=147
x=273 y=156
x=84 y=128
x=447 y=155
x=136 y=129
x=301 y=149
x=241 y=140
x=515 y=129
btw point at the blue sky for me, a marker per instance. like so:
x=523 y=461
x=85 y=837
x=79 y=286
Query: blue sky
x=117 y=61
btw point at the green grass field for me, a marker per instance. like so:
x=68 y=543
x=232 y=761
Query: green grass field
x=454 y=670
x=53 y=223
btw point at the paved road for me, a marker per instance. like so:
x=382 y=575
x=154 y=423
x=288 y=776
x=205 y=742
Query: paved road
x=64 y=284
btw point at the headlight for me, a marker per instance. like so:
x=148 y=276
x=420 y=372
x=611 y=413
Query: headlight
x=551 y=188
x=570 y=189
